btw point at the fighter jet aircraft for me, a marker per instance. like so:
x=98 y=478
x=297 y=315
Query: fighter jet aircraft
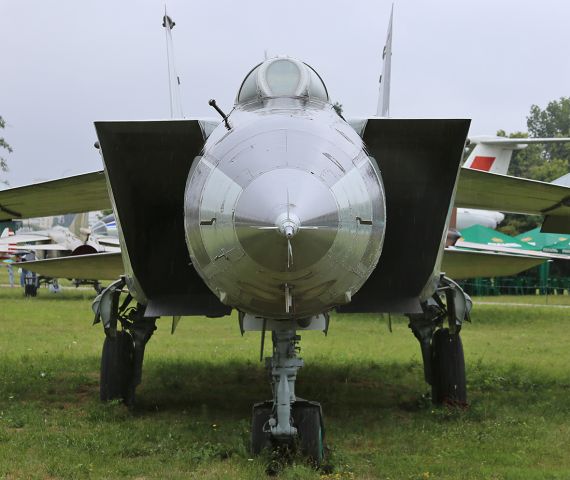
x=60 y=242
x=77 y=239
x=285 y=212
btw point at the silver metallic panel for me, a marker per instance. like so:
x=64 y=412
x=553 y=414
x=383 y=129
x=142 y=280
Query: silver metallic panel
x=285 y=217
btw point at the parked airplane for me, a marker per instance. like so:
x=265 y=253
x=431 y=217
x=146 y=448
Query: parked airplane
x=10 y=248
x=285 y=212
x=494 y=154
x=59 y=241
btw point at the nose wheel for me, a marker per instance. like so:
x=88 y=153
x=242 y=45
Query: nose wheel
x=287 y=421
x=308 y=421
x=308 y=418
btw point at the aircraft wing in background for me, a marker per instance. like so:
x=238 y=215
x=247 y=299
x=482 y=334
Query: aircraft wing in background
x=108 y=241
x=97 y=266
x=489 y=191
x=460 y=264
x=24 y=238
x=51 y=247
x=457 y=264
x=80 y=193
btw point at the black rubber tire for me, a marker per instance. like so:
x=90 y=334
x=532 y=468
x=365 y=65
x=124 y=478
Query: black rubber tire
x=117 y=368
x=260 y=440
x=309 y=423
x=449 y=385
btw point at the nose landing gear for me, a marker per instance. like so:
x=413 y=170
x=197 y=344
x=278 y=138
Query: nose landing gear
x=286 y=420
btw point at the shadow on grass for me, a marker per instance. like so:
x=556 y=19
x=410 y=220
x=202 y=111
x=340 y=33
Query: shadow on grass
x=235 y=386
x=228 y=389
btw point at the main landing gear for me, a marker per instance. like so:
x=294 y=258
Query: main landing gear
x=442 y=350
x=123 y=350
x=286 y=420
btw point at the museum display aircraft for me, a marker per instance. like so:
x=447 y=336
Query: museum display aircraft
x=493 y=154
x=285 y=211
x=57 y=241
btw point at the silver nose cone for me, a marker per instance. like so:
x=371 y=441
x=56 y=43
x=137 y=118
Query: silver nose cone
x=288 y=224
x=286 y=219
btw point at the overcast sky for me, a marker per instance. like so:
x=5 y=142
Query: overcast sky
x=67 y=63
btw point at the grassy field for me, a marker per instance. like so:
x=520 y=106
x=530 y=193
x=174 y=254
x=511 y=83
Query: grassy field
x=192 y=416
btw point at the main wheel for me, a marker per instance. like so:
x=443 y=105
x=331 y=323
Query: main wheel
x=308 y=420
x=448 y=386
x=260 y=438
x=117 y=368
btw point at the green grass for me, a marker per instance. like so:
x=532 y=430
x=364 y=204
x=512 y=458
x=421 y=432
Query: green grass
x=194 y=405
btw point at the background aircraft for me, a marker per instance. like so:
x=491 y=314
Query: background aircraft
x=494 y=154
x=77 y=239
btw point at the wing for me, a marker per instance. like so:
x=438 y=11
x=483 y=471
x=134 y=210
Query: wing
x=80 y=193
x=516 y=251
x=51 y=247
x=24 y=238
x=460 y=264
x=489 y=191
x=97 y=266
x=106 y=240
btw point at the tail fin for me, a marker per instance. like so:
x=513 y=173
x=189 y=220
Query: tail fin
x=564 y=180
x=173 y=78
x=80 y=225
x=493 y=154
x=7 y=232
x=383 y=109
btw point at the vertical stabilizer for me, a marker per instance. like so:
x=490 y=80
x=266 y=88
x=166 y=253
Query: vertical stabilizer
x=493 y=154
x=564 y=180
x=173 y=78
x=384 y=81
x=7 y=232
x=80 y=224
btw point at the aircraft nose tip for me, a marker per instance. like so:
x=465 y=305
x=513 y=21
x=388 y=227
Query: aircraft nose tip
x=283 y=213
x=288 y=224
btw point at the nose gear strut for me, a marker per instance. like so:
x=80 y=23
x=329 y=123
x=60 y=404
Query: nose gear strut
x=287 y=419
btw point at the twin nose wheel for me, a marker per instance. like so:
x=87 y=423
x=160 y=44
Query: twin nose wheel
x=307 y=418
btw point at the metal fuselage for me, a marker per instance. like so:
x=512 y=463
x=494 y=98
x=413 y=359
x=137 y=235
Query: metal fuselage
x=285 y=212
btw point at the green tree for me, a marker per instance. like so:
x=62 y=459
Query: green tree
x=540 y=162
x=6 y=146
x=544 y=162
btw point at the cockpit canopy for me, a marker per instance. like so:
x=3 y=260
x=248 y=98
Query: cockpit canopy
x=282 y=77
